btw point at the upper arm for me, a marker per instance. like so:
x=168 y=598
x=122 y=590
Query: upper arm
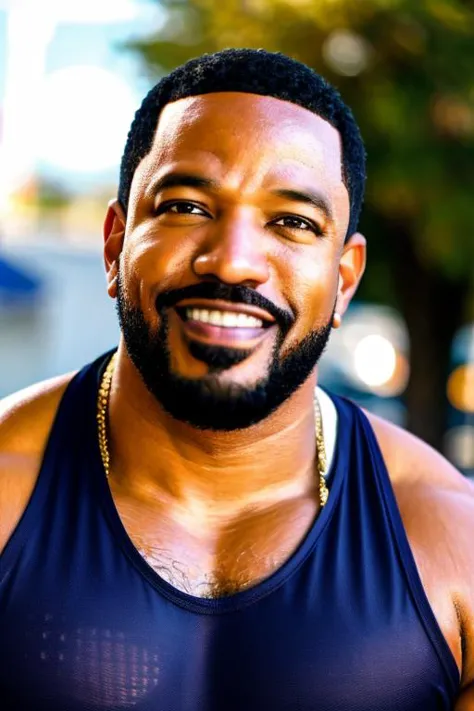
x=25 y=421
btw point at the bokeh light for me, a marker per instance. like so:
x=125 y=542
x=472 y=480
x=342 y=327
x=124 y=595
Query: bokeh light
x=375 y=360
x=346 y=53
x=459 y=446
x=461 y=388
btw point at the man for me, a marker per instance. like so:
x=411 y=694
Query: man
x=172 y=538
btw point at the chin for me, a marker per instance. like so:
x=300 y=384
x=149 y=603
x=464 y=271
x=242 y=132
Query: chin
x=213 y=387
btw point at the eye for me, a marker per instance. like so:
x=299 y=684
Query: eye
x=293 y=222
x=180 y=207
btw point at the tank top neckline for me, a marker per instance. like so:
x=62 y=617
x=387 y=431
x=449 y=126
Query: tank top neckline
x=237 y=600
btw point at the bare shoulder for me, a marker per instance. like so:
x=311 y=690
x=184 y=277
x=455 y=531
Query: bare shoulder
x=413 y=462
x=436 y=503
x=26 y=418
x=432 y=495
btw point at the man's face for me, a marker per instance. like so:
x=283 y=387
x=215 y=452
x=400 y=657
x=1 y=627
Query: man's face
x=230 y=267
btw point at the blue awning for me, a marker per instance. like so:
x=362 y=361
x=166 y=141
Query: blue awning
x=16 y=284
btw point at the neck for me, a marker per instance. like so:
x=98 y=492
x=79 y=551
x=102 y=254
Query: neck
x=158 y=460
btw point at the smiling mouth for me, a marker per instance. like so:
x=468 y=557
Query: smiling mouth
x=221 y=318
x=222 y=327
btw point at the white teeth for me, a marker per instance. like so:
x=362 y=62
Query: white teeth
x=227 y=319
x=200 y=315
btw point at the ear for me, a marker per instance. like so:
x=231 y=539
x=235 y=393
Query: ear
x=114 y=233
x=351 y=269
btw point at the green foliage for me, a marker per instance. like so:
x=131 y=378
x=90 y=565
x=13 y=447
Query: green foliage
x=51 y=196
x=406 y=67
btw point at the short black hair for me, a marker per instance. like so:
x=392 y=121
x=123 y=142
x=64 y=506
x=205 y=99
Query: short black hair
x=252 y=71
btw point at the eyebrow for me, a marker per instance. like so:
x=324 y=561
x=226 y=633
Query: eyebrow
x=191 y=180
x=183 y=180
x=309 y=197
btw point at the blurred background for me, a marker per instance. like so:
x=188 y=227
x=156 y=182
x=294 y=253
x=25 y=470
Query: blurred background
x=72 y=75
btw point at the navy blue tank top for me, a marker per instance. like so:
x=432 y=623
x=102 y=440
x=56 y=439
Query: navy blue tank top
x=87 y=625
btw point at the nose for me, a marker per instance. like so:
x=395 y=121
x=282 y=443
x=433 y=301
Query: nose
x=234 y=252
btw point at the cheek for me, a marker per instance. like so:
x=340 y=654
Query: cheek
x=312 y=285
x=154 y=263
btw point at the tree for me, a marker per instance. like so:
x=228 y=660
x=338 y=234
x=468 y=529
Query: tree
x=407 y=70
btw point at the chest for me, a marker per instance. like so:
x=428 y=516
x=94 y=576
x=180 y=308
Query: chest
x=205 y=560
x=335 y=627
x=212 y=563
x=285 y=652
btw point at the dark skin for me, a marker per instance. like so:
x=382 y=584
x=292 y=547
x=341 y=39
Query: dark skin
x=194 y=503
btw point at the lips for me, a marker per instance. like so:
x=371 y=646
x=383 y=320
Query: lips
x=226 y=307
x=224 y=324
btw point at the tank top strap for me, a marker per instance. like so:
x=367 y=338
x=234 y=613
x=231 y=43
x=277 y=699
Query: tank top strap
x=61 y=480
x=377 y=481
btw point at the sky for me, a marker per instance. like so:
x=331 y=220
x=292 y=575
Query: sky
x=80 y=86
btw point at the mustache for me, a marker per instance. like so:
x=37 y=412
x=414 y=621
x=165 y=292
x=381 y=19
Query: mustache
x=226 y=292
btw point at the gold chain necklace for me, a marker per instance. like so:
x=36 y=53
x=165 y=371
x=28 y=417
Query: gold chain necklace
x=102 y=408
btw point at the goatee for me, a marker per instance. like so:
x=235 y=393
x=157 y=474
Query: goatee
x=209 y=402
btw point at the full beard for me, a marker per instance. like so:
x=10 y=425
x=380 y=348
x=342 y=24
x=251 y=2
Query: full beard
x=209 y=402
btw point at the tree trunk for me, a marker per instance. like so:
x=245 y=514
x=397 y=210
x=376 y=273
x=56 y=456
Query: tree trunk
x=433 y=307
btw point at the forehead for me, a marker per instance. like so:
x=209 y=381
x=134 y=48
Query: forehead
x=249 y=135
